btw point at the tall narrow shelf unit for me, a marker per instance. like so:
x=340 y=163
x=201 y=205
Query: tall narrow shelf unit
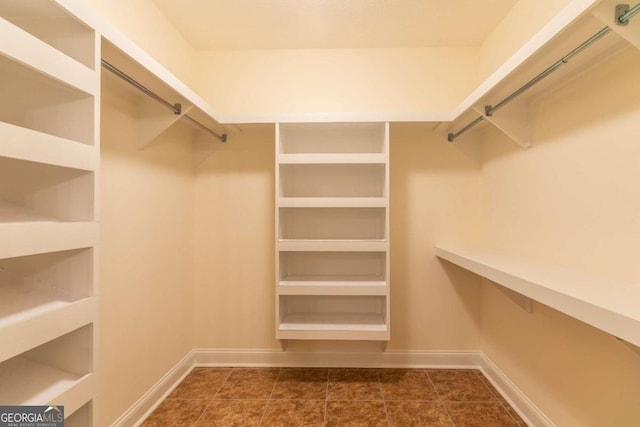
x=332 y=226
x=49 y=165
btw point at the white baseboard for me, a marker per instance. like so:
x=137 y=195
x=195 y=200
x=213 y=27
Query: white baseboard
x=389 y=359
x=140 y=410
x=529 y=412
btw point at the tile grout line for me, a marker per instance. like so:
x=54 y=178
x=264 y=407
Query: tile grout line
x=212 y=397
x=500 y=398
x=264 y=412
x=384 y=400
x=326 y=399
x=426 y=373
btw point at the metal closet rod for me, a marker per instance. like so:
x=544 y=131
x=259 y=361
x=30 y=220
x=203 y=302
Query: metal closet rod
x=176 y=108
x=490 y=109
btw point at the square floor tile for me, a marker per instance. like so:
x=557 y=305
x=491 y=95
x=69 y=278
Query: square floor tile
x=417 y=414
x=176 y=413
x=248 y=384
x=353 y=384
x=351 y=414
x=201 y=383
x=406 y=384
x=460 y=385
x=301 y=384
x=294 y=413
x=233 y=413
x=479 y=414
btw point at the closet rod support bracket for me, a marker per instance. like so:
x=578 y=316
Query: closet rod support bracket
x=177 y=108
x=621 y=10
x=450 y=137
x=223 y=138
x=488 y=110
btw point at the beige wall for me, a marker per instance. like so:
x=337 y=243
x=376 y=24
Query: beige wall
x=268 y=82
x=145 y=25
x=571 y=200
x=434 y=191
x=146 y=259
x=524 y=20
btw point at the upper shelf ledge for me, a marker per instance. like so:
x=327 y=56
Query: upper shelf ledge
x=605 y=304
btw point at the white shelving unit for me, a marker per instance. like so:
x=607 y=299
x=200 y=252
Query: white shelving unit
x=605 y=304
x=49 y=166
x=332 y=213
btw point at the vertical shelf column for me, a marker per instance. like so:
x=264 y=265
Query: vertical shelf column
x=49 y=186
x=332 y=231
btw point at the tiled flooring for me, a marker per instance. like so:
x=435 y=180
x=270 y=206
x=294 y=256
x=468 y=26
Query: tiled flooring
x=333 y=397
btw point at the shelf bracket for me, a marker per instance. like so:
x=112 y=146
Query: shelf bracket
x=154 y=120
x=512 y=121
x=524 y=302
x=283 y=345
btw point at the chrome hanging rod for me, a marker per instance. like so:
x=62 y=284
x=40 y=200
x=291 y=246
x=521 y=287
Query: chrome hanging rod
x=622 y=19
x=627 y=13
x=176 y=108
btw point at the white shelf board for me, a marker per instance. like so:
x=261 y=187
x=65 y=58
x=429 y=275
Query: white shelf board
x=25 y=382
x=26 y=49
x=607 y=305
x=21 y=143
x=567 y=15
x=287 y=245
x=30 y=238
x=127 y=47
x=333 y=158
x=29 y=319
x=338 y=326
x=332 y=287
x=74 y=398
x=332 y=202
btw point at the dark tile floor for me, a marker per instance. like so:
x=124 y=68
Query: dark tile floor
x=333 y=397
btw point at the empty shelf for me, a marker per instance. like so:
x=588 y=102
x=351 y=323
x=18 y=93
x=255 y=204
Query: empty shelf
x=332 y=245
x=332 y=287
x=26 y=144
x=338 y=326
x=608 y=305
x=332 y=202
x=26 y=49
x=25 y=382
x=29 y=238
x=332 y=158
x=30 y=319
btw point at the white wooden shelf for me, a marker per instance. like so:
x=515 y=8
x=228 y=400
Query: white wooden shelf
x=29 y=238
x=332 y=139
x=570 y=28
x=49 y=164
x=332 y=287
x=607 y=305
x=26 y=382
x=47 y=105
x=332 y=245
x=22 y=47
x=33 y=318
x=50 y=23
x=338 y=326
x=30 y=145
x=332 y=158
x=332 y=226
x=332 y=202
